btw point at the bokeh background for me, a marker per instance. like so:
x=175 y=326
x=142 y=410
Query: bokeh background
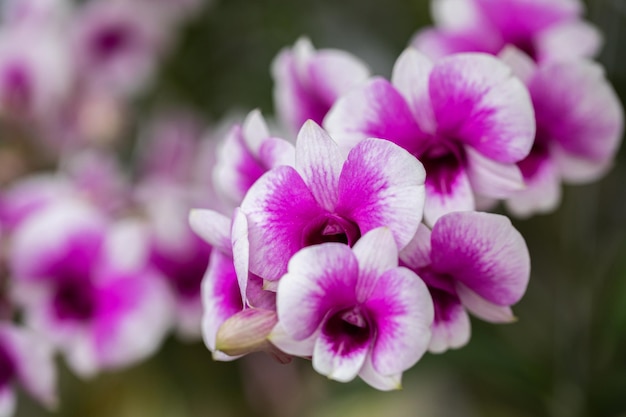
x=565 y=357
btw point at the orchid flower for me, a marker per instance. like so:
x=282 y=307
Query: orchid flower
x=307 y=82
x=28 y=361
x=545 y=30
x=363 y=314
x=476 y=262
x=327 y=197
x=238 y=312
x=117 y=44
x=580 y=122
x=246 y=153
x=465 y=117
x=87 y=287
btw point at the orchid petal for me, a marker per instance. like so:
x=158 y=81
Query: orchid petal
x=376 y=253
x=375 y=110
x=402 y=310
x=490 y=178
x=221 y=296
x=447 y=190
x=212 y=227
x=483 y=251
x=417 y=253
x=410 y=76
x=320 y=279
x=319 y=162
x=476 y=100
x=482 y=308
x=279 y=206
x=578 y=109
x=382 y=185
x=451 y=328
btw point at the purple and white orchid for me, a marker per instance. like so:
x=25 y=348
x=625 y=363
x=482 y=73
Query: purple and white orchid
x=307 y=82
x=476 y=262
x=86 y=285
x=358 y=311
x=467 y=118
x=327 y=197
x=545 y=30
x=580 y=122
x=246 y=153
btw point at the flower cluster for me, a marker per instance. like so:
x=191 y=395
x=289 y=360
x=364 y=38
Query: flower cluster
x=353 y=238
x=359 y=246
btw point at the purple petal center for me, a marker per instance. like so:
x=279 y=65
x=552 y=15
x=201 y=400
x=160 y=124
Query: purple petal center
x=17 y=88
x=331 y=228
x=7 y=367
x=110 y=40
x=442 y=162
x=348 y=330
x=74 y=299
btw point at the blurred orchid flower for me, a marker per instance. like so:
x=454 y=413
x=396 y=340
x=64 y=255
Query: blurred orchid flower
x=476 y=262
x=86 y=285
x=307 y=81
x=467 y=118
x=545 y=30
x=580 y=122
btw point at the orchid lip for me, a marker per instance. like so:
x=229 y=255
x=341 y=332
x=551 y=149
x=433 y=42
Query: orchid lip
x=330 y=228
x=74 y=299
x=349 y=329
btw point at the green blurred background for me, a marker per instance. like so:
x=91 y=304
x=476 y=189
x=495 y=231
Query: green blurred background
x=565 y=357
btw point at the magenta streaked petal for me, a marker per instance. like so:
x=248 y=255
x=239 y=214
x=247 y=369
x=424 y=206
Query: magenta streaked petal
x=410 y=76
x=490 y=178
x=320 y=278
x=382 y=185
x=377 y=380
x=213 y=227
x=577 y=108
x=477 y=101
x=518 y=20
x=483 y=251
x=569 y=40
x=376 y=253
x=134 y=313
x=64 y=239
x=221 y=297
x=336 y=358
x=542 y=193
x=451 y=328
x=482 y=308
x=447 y=189
x=417 y=253
x=375 y=110
x=275 y=152
x=279 y=207
x=319 y=162
x=402 y=310
x=254 y=131
x=237 y=168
